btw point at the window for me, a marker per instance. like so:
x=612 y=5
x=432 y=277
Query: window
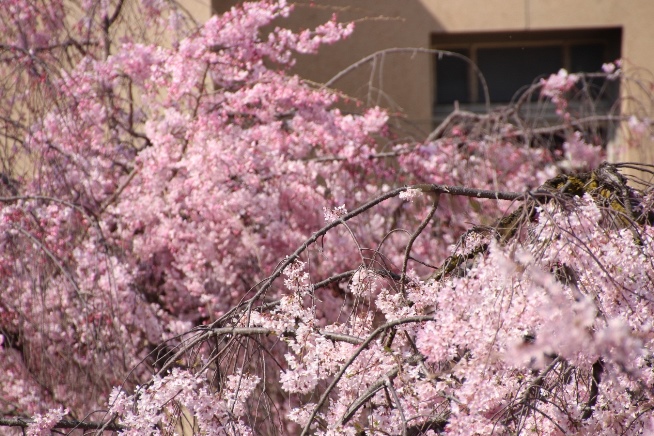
x=511 y=61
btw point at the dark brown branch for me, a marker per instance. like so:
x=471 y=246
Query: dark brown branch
x=119 y=191
x=334 y=278
x=596 y=378
x=249 y=331
x=116 y=13
x=64 y=423
x=519 y=409
x=427 y=188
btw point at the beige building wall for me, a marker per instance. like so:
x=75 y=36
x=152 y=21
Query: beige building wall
x=199 y=9
x=404 y=82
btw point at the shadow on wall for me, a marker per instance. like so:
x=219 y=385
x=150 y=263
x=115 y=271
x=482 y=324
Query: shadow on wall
x=400 y=82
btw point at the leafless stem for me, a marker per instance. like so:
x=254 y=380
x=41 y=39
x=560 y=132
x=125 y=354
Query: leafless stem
x=54 y=259
x=118 y=191
x=381 y=53
x=596 y=377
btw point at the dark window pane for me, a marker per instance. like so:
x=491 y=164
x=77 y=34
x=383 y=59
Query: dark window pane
x=452 y=79
x=507 y=70
x=586 y=58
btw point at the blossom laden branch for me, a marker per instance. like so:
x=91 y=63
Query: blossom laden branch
x=375 y=387
x=354 y=356
x=249 y=331
x=427 y=188
x=64 y=424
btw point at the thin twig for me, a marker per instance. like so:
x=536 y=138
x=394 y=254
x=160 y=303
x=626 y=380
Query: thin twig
x=413 y=238
x=373 y=58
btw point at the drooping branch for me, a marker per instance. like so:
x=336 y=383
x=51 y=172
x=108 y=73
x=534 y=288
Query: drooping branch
x=375 y=387
x=414 y=236
x=65 y=424
x=398 y=50
x=605 y=184
x=388 y=384
x=532 y=392
x=596 y=378
x=427 y=188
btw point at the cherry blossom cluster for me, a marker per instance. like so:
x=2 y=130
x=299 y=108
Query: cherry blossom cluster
x=192 y=237
x=164 y=400
x=555 y=88
x=42 y=424
x=550 y=332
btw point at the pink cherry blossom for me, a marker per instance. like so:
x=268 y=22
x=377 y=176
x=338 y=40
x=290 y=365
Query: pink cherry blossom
x=202 y=242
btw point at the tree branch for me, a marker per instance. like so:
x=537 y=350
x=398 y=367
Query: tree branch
x=427 y=188
x=596 y=378
x=413 y=238
x=373 y=388
x=64 y=423
x=354 y=356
